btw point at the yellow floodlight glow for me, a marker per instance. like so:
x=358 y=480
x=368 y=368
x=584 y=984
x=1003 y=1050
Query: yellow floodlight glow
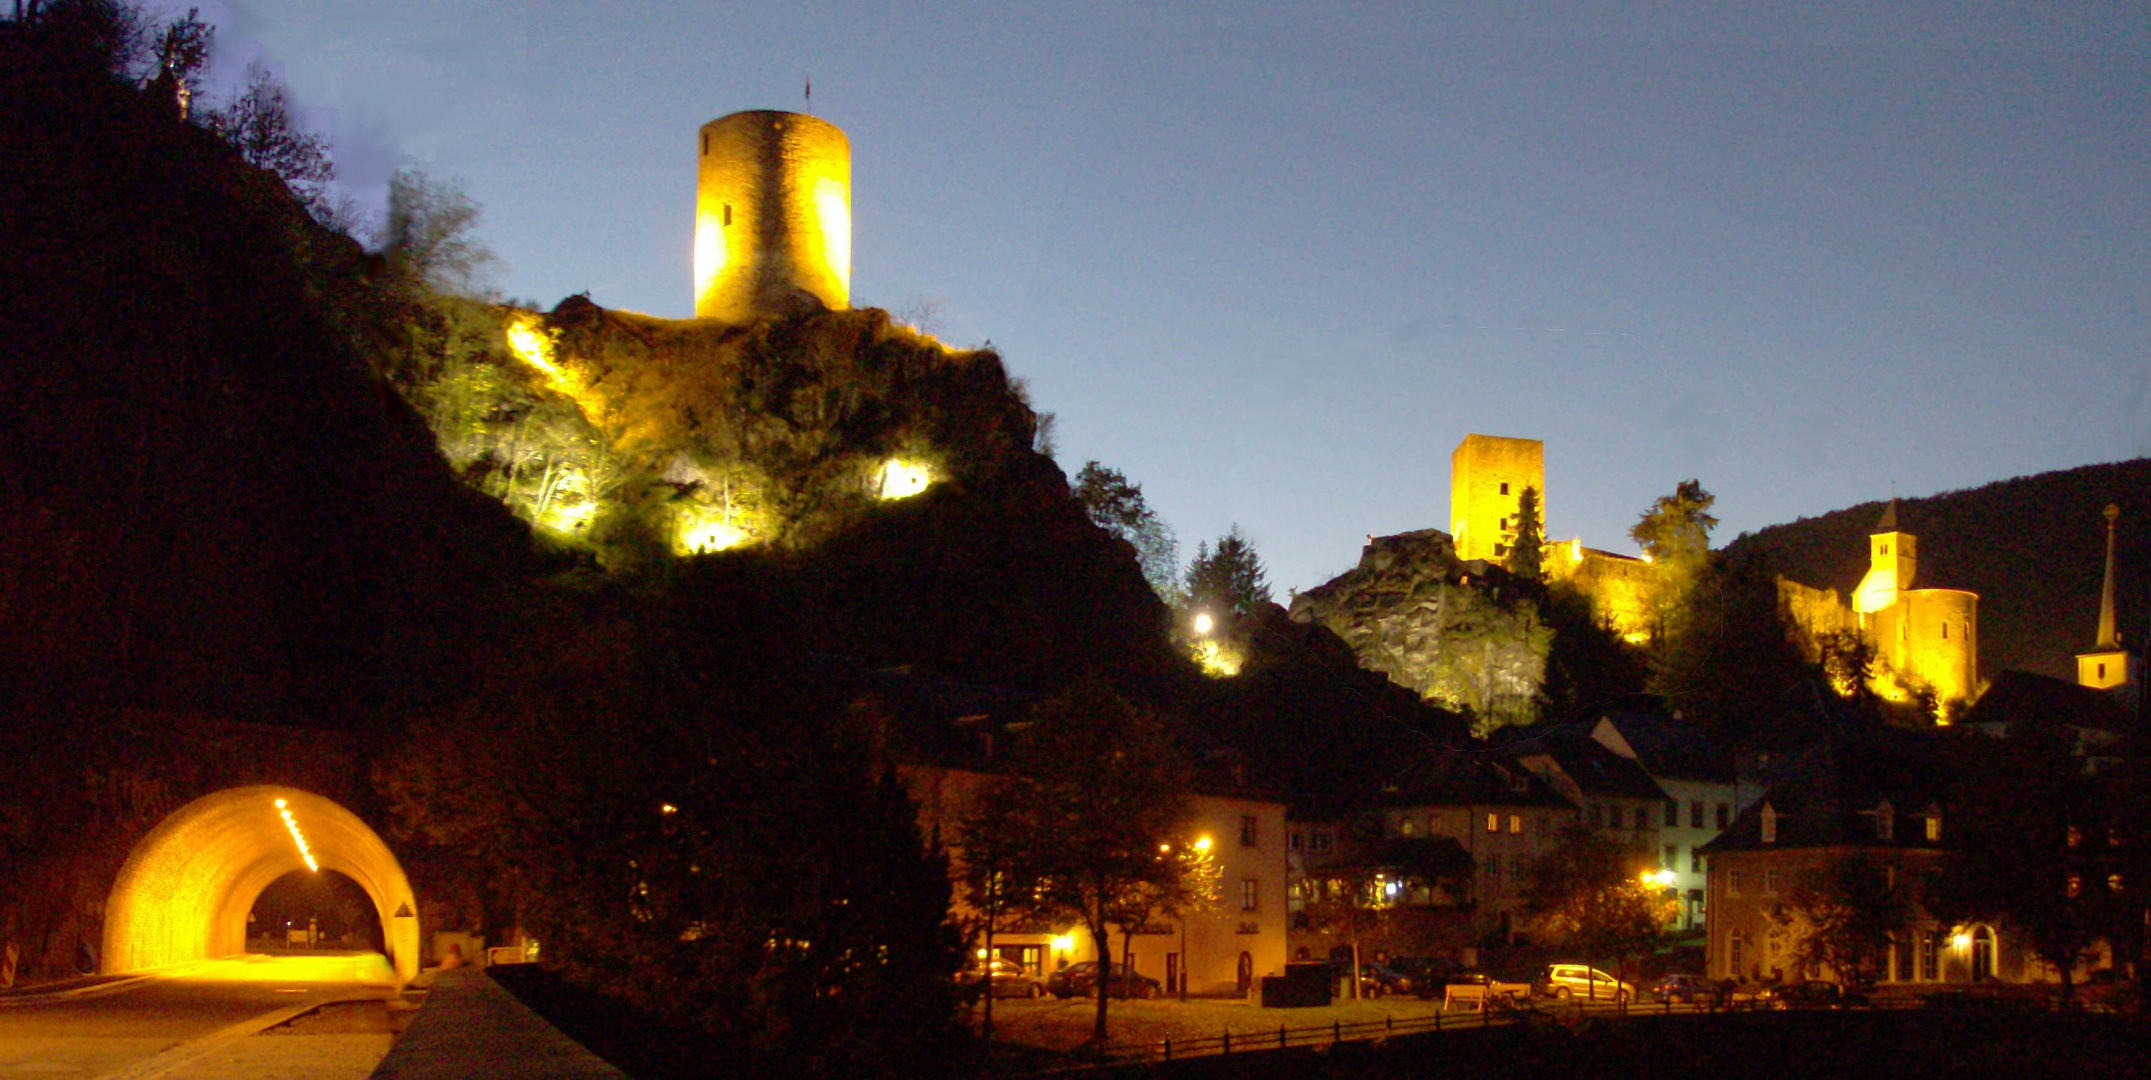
x=1203 y=844
x=1962 y=941
x=901 y=479
x=832 y=207
x=297 y=837
x=1064 y=943
x=701 y=537
x=711 y=254
x=532 y=343
x=1203 y=622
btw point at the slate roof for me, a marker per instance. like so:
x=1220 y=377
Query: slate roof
x=1829 y=793
x=1672 y=749
x=1598 y=772
x=2022 y=697
x=1462 y=778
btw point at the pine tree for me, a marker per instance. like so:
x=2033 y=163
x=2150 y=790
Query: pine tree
x=1527 y=554
x=1229 y=577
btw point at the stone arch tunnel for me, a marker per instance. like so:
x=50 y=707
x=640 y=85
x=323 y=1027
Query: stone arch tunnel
x=186 y=888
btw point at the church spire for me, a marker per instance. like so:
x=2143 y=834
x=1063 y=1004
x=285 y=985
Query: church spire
x=2108 y=639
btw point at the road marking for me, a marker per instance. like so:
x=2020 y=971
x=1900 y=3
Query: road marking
x=193 y=1050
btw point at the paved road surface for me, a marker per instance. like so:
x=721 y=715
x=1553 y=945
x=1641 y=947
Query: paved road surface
x=100 y=1033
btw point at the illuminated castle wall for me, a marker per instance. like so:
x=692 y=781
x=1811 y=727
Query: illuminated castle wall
x=1924 y=640
x=1487 y=478
x=772 y=215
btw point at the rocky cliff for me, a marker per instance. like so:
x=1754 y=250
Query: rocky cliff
x=1464 y=635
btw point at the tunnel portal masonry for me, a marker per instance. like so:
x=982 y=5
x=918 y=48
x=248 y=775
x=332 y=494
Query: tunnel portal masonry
x=186 y=888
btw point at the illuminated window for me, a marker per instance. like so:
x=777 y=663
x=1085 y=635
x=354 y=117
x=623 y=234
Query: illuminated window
x=2076 y=886
x=1516 y=824
x=1934 y=827
x=1404 y=827
x=1695 y=814
x=2113 y=884
x=1248 y=834
x=1493 y=822
x=2075 y=837
x=1250 y=888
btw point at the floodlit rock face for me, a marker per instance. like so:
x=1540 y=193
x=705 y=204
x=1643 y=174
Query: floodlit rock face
x=631 y=433
x=1460 y=634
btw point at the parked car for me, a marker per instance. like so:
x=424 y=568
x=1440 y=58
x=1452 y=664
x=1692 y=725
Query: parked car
x=1008 y=979
x=1377 y=979
x=1683 y=988
x=1811 y=994
x=1565 y=981
x=1080 y=979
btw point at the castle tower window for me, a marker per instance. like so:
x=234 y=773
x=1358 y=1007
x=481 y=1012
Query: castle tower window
x=1945 y=631
x=1504 y=489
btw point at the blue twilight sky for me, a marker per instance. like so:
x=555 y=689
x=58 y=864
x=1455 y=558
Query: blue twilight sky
x=1274 y=260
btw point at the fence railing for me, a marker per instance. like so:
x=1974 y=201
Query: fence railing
x=1498 y=1012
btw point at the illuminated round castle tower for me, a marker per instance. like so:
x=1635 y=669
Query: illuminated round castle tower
x=772 y=215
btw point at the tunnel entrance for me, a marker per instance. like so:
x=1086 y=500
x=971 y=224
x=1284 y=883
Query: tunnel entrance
x=186 y=890
x=312 y=910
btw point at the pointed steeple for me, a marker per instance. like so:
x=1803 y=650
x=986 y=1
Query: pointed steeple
x=2107 y=664
x=2108 y=639
x=1888 y=521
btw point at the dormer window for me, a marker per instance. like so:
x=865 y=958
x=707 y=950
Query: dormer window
x=1934 y=824
x=1770 y=824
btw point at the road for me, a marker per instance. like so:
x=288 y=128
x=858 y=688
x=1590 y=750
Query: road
x=107 y=1031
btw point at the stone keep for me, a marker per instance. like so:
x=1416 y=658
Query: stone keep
x=1487 y=478
x=772 y=215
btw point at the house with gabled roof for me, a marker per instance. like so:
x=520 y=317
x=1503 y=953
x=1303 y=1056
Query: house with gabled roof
x=1702 y=794
x=1878 y=794
x=1501 y=814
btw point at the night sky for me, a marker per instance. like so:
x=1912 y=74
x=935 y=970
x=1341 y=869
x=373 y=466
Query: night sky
x=1274 y=260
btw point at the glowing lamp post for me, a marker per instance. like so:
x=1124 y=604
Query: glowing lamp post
x=1203 y=624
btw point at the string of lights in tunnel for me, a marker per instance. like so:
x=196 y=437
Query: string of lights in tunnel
x=297 y=837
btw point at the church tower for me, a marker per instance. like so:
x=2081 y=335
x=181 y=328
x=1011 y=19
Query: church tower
x=2107 y=664
x=772 y=216
x=1892 y=562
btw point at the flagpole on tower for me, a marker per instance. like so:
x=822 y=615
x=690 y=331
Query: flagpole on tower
x=810 y=95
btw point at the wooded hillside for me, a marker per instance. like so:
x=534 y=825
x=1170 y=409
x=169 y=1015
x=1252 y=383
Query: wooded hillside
x=2033 y=548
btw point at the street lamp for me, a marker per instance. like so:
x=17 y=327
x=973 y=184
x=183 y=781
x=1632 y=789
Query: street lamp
x=1203 y=624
